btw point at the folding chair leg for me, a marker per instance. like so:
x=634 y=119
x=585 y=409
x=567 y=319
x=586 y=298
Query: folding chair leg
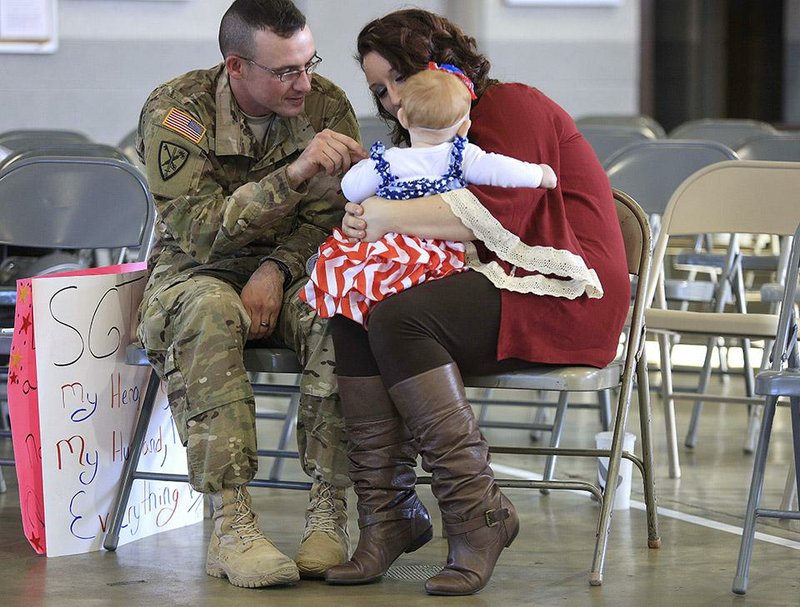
x=702 y=384
x=129 y=470
x=484 y=410
x=609 y=492
x=3 y=487
x=555 y=437
x=539 y=417
x=789 y=499
x=754 y=497
x=648 y=476
x=669 y=407
x=604 y=403
x=753 y=427
x=286 y=434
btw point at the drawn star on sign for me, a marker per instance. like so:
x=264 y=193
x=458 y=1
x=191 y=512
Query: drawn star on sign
x=15 y=361
x=24 y=292
x=26 y=324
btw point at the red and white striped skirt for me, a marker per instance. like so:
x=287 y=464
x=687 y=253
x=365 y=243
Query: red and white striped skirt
x=350 y=276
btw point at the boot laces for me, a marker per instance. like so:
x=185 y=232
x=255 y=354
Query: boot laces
x=244 y=521
x=321 y=511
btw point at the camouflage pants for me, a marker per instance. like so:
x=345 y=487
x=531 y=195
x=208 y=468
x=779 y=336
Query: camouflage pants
x=194 y=330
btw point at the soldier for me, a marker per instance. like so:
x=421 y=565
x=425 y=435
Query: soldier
x=243 y=161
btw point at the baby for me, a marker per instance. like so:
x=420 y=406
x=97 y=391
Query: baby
x=347 y=278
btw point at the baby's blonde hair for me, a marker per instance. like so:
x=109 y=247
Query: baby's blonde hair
x=434 y=99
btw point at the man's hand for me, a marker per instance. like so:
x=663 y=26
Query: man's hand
x=262 y=297
x=330 y=152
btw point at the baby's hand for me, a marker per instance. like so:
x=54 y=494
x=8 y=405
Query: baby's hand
x=549 y=180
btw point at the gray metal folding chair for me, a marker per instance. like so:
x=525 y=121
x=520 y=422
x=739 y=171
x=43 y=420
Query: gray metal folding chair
x=781 y=380
x=619 y=374
x=71 y=202
x=733 y=132
x=635 y=120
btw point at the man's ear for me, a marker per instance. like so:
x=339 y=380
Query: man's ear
x=234 y=65
x=401 y=118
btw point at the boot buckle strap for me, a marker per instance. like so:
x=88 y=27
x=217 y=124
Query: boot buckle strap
x=397 y=514
x=490 y=518
x=495 y=516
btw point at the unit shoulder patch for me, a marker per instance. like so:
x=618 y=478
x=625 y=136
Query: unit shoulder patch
x=171 y=159
x=184 y=124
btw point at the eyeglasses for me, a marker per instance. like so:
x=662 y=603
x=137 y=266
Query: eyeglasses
x=289 y=76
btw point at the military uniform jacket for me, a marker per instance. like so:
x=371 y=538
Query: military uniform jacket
x=222 y=197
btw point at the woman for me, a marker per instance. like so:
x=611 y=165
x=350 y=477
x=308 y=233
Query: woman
x=550 y=286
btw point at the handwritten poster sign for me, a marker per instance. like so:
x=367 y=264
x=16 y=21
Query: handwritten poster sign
x=88 y=400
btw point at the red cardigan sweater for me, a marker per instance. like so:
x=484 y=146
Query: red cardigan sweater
x=578 y=215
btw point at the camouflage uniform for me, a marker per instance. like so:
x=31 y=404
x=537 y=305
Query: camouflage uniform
x=224 y=204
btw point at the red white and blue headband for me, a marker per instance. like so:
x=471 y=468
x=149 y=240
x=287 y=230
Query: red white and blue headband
x=452 y=69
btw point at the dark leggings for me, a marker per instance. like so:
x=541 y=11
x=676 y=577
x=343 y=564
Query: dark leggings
x=454 y=319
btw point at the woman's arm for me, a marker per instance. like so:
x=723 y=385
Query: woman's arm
x=427 y=217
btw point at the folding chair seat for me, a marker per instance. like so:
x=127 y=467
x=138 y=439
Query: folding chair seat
x=620 y=375
x=731 y=197
x=733 y=132
x=635 y=120
x=781 y=380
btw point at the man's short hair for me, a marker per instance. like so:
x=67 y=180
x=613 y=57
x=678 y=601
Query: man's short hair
x=244 y=17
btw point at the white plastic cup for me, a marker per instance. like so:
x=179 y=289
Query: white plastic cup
x=622 y=498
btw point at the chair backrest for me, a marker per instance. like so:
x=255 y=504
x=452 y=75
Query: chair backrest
x=735 y=196
x=635 y=232
x=74 y=202
x=774 y=146
x=650 y=171
x=61 y=148
x=607 y=139
x=128 y=147
x=21 y=139
x=730 y=131
x=646 y=123
x=374 y=129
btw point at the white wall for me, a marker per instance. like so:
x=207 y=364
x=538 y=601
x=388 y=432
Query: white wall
x=112 y=53
x=586 y=58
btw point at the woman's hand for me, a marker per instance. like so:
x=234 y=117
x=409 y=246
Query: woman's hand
x=365 y=221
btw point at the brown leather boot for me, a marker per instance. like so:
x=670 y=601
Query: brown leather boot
x=382 y=454
x=478 y=519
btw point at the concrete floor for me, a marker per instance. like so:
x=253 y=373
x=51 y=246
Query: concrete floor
x=547 y=565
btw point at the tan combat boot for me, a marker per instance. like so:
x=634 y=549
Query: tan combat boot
x=238 y=550
x=325 y=540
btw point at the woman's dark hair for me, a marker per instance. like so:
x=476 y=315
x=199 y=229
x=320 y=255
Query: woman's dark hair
x=408 y=39
x=245 y=17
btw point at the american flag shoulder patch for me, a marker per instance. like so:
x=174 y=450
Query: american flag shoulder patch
x=183 y=124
